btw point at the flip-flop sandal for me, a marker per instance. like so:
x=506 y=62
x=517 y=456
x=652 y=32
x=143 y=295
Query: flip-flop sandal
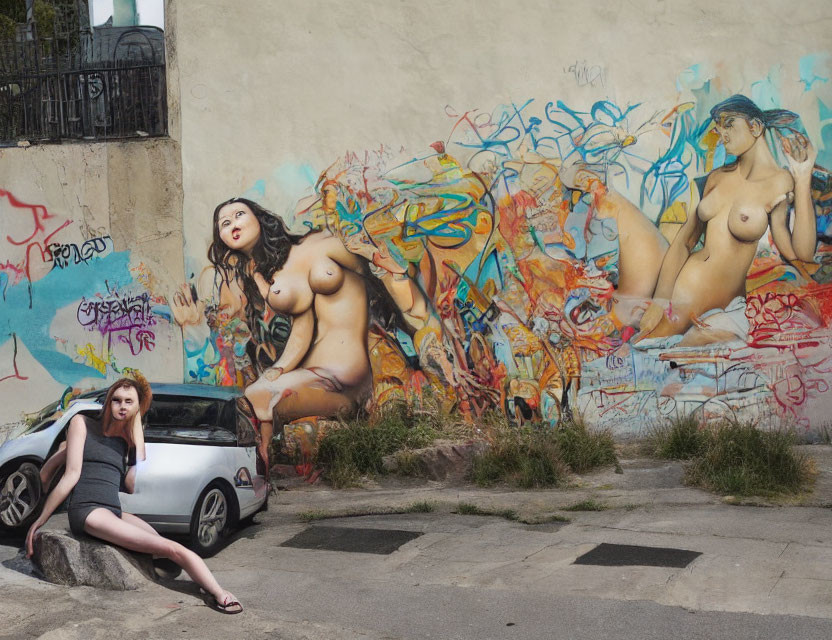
x=230 y=608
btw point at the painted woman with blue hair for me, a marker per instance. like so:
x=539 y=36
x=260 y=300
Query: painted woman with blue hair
x=700 y=294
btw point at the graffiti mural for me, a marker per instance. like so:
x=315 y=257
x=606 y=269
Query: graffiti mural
x=543 y=259
x=73 y=311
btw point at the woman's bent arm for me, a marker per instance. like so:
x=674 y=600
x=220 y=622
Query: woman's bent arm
x=75 y=438
x=804 y=236
x=137 y=432
x=300 y=339
x=801 y=242
x=677 y=254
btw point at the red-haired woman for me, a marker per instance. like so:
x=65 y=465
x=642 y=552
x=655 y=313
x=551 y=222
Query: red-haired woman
x=96 y=449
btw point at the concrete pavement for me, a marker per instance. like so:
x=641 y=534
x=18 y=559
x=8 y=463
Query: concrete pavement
x=764 y=572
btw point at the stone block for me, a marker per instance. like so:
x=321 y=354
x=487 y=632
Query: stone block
x=442 y=461
x=64 y=559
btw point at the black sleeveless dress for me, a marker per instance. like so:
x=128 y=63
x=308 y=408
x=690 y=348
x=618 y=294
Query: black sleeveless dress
x=101 y=476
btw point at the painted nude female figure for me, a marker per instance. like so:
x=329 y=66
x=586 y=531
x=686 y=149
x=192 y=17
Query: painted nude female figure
x=739 y=203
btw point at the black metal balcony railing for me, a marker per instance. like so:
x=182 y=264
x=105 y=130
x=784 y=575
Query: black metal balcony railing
x=86 y=84
x=117 y=102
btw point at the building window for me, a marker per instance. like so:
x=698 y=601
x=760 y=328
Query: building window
x=68 y=72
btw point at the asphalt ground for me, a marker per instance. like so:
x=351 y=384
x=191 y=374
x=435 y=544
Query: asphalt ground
x=763 y=570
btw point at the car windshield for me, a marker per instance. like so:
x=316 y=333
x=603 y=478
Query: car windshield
x=180 y=419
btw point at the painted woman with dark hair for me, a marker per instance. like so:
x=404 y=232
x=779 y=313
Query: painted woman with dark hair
x=247 y=239
x=262 y=272
x=695 y=292
x=246 y=338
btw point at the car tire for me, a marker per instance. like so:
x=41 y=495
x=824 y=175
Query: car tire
x=20 y=497
x=212 y=519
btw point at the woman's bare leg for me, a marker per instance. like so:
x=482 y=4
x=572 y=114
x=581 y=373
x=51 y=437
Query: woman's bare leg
x=266 y=433
x=306 y=401
x=138 y=522
x=107 y=526
x=306 y=386
x=641 y=246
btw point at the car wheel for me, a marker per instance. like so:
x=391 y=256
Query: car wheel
x=211 y=520
x=20 y=497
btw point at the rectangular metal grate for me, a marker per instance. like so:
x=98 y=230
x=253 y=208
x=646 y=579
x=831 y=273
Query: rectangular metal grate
x=622 y=555
x=380 y=541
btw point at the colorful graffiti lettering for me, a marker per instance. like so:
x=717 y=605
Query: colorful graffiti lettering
x=125 y=317
x=31 y=230
x=45 y=275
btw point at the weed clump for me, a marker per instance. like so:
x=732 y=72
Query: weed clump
x=525 y=457
x=733 y=457
x=468 y=509
x=539 y=456
x=740 y=459
x=587 y=505
x=583 y=449
x=422 y=506
x=682 y=438
x=359 y=445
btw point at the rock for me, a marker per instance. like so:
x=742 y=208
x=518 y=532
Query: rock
x=442 y=461
x=64 y=559
x=284 y=471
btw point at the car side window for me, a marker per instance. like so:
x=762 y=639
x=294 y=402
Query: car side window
x=246 y=434
x=237 y=414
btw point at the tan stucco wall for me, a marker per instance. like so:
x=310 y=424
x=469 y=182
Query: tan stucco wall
x=130 y=191
x=260 y=87
x=273 y=94
x=303 y=81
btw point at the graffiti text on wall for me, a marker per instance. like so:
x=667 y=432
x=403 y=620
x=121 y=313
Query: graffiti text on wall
x=126 y=318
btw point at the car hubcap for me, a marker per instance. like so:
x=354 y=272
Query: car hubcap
x=17 y=499
x=212 y=517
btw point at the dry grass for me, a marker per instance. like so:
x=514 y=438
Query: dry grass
x=540 y=456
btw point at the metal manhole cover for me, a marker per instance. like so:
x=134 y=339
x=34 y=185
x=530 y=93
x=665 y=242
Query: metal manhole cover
x=380 y=541
x=622 y=555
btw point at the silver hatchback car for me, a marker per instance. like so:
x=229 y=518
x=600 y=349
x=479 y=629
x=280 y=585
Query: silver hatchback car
x=202 y=475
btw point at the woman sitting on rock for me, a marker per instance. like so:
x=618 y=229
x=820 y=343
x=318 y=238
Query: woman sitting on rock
x=96 y=449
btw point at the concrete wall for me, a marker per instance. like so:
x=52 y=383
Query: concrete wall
x=278 y=95
x=91 y=243
x=297 y=83
x=509 y=297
